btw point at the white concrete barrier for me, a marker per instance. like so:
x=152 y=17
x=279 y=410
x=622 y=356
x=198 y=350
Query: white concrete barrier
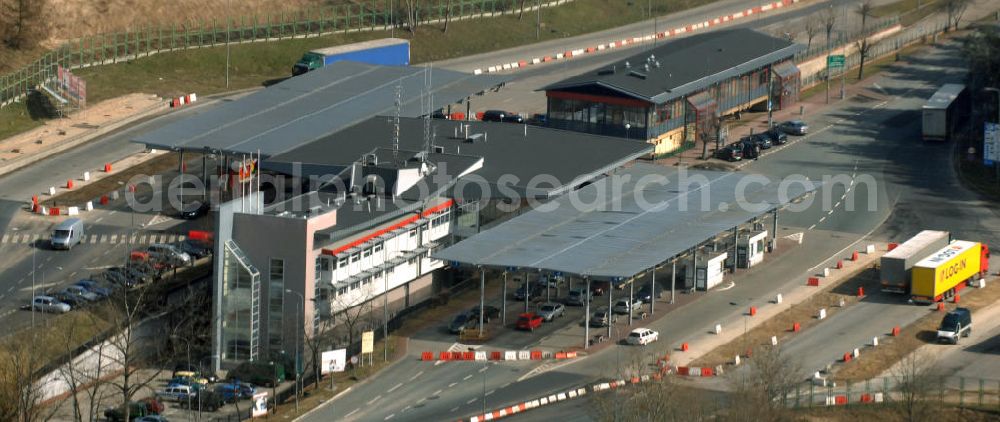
x=510 y=355
x=480 y=356
x=86 y=176
x=826 y=272
x=718 y=328
x=857 y=352
x=878 y=397
x=822 y=314
x=561 y=397
x=73 y=211
x=874 y=341
x=90 y=206
x=736 y=360
x=477 y=72
x=52 y=190
x=774 y=340
x=777 y=298
x=523 y=355
x=870 y=249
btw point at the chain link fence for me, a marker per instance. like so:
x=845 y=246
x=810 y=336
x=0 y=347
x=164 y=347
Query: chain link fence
x=962 y=391
x=371 y=15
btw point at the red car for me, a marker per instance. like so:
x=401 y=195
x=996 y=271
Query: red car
x=529 y=321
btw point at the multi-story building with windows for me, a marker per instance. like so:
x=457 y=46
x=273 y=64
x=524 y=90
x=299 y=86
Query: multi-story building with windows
x=677 y=91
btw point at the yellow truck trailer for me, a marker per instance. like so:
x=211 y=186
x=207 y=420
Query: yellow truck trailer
x=948 y=270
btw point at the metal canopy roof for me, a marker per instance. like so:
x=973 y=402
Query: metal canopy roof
x=308 y=107
x=601 y=231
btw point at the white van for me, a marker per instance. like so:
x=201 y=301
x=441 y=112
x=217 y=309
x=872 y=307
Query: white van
x=67 y=234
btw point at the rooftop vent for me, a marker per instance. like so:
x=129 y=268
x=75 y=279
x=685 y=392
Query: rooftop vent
x=475 y=137
x=627 y=64
x=438 y=149
x=371 y=160
x=637 y=74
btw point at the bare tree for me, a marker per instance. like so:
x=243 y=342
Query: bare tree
x=349 y=310
x=864 y=50
x=762 y=387
x=20 y=395
x=982 y=50
x=411 y=9
x=865 y=9
x=447 y=16
x=829 y=19
x=954 y=9
x=520 y=12
x=812 y=29
x=916 y=380
x=22 y=23
x=662 y=400
x=708 y=132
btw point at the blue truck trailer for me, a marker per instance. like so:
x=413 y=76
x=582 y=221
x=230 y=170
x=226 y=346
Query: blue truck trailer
x=385 y=51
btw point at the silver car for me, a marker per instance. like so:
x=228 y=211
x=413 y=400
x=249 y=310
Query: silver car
x=549 y=311
x=169 y=253
x=80 y=292
x=49 y=304
x=622 y=306
x=794 y=127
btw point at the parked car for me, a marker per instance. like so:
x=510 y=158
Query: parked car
x=601 y=317
x=194 y=211
x=152 y=418
x=71 y=300
x=206 y=400
x=762 y=141
x=267 y=374
x=119 y=277
x=93 y=287
x=232 y=391
x=538 y=119
x=645 y=294
x=794 y=127
x=168 y=253
x=534 y=290
x=194 y=383
x=49 y=304
x=622 y=306
x=462 y=321
x=955 y=324
x=136 y=410
x=777 y=137
x=491 y=312
x=177 y=392
x=195 y=248
x=529 y=321
x=551 y=310
x=502 y=116
x=578 y=297
x=597 y=288
x=642 y=336
x=731 y=152
x=82 y=293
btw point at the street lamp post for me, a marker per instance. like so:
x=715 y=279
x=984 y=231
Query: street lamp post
x=187 y=342
x=298 y=342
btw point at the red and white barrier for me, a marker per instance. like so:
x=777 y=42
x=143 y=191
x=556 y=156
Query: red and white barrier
x=496 y=355
x=567 y=54
x=183 y=100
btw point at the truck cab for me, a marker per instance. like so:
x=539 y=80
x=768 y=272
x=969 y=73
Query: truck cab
x=309 y=62
x=984 y=260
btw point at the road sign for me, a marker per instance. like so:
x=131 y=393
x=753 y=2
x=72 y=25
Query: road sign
x=835 y=60
x=367 y=342
x=334 y=361
x=991 y=143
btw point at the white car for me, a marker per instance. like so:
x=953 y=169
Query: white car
x=642 y=336
x=49 y=304
x=550 y=311
x=622 y=306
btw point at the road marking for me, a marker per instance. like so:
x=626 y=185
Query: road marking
x=352 y=412
x=390 y=416
x=422 y=399
x=48 y=259
x=10 y=289
x=72 y=274
x=505 y=385
x=93 y=239
x=103 y=238
x=829 y=212
x=98 y=220
x=106 y=252
x=472 y=400
x=837 y=204
x=374 y=399
x=394 y=387
x=821 y=219
x=453 y=409
x=408 y=407
x=467 y=377
x=114 y=238
x=452 y=384
x=415 y=376
x=438 y=392
x=811 y=227
x=491 y=392
x=483 y=369
x=112 y=212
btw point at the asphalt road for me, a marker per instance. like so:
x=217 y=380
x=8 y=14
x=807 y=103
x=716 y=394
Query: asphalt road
x=25 y=235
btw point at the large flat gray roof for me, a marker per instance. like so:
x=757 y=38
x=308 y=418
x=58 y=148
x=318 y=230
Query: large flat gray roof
x=310 y=106
x=680 y=67
x=531 y=160
x=603 y=231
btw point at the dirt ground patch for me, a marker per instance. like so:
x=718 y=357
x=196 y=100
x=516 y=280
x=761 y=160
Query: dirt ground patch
x=157 y=165
x=887 y=413
x=923 y=331
x=803 y=313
